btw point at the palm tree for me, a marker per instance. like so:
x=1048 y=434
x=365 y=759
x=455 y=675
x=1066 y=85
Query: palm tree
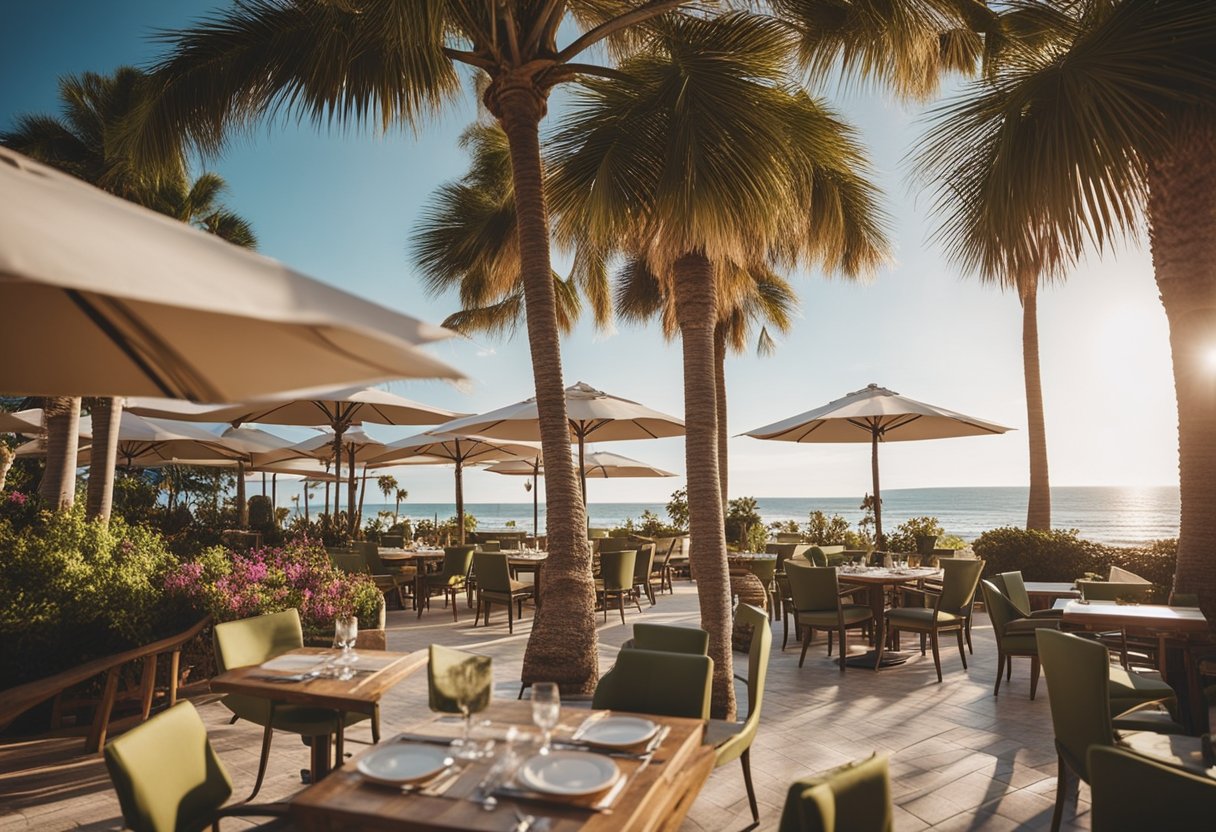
x=399 y=495
x=701 y=159
x=396 y=63
x=84 y=142
x=1105 y=119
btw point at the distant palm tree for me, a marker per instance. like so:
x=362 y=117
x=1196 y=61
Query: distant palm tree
x=1107 y=119
x=6 y=462
x=355 y=62
x=84 y=141
x=702 y=159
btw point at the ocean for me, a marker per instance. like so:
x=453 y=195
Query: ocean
x=1113 y=515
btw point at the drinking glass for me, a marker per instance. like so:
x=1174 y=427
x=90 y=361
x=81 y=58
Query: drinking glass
x=546 y=710
x=467 y=686
x=346 y=631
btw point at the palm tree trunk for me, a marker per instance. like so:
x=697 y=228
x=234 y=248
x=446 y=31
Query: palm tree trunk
x=696 y=313
x=107 y=415
x=720 y=397
x=1038 y=512
x=1182 y=197
x=563 y=646
x=6 y=462
x=362 y=494
x=62 y=418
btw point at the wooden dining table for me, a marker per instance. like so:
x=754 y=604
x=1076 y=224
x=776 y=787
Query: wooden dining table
x=375 y=672
x=876 y=579
x=655 y=798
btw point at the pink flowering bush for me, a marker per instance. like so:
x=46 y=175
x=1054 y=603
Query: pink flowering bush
x=299 y=575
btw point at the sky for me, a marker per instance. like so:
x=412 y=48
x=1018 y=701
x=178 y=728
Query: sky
x=340 y=205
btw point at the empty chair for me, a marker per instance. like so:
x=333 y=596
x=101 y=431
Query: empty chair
x=616 y=580
x=1131 y=793
x=168 y=777
x=385 y=580
x=950 y=610
x=660 y=570
x=733 y=740
x=655 y=682
x=818 y=605
x=1014 y=588
x=643 y=565
x=1014 y=635
x=495 y=585
x=490 y=546
x=252 y=641
x=449 y=581
x=670 y=639
x=853 y=798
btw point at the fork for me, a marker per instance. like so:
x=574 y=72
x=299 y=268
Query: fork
x=523 y=822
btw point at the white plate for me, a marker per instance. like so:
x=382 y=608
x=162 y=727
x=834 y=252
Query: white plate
x=570 y=773
x=403 y=762
x=618 y=731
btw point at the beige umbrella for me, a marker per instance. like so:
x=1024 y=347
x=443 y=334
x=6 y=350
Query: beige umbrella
x=875 y=415
x=594 y=416
x=459 y=450
x=145 y=443
x=156 y=307
x=29 y=422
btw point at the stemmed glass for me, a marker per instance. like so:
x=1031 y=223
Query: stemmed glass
x=546 y=710
x=346 y=632
x=467 y=685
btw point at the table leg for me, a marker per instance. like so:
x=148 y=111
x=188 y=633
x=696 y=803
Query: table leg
x=869 y=659
x=321 y=756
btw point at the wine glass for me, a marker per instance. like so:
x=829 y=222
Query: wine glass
x=466 y=683
x=346 y=632
x=546 y=710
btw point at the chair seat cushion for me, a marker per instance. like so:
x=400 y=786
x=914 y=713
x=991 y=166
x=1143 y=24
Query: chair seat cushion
x=1020 y=643
x=719 y=731
x=444 y=580
x=920 y=617
x=1047 y=613
x=852 y=614
x=1159 y=722
x=1127 y=689
x=1029 y=625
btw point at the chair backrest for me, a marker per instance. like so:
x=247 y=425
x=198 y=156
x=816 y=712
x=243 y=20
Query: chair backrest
x=1001 y=609
x=671 y=639
x=618 y=544
x=757 y=661
x=616 y=568
x=457 y=560
x=656 y=682
x=643 y=563
x=451 y=674
x=1014 y=587
x=166 y=774
x=597 y=534
x=852 y=798
x=490 y=546
x=764 y=570
x=816 y=556
x=350 y=562
x=392 y=541
x=1132 y=792
x=493 y=571
x=370 y=552
x=664 y=547
x=254 y=640
x=1120 y=575
x=1114 y=591
x=962 y=576
x=781 y=550
x=813 y=588
x=1078 y=682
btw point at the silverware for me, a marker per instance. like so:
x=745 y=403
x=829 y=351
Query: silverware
x=523 y=822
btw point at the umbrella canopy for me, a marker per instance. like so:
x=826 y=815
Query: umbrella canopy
x=158 y=308
x=875 y=414
x=143 y=443
x=28 y=422
x=595 y=416
x=459 y=450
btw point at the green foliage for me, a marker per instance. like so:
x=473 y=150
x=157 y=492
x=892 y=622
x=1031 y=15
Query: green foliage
x=785 y=527
x=823 y=530
x=867 y=525
x=74 y=590
x=677 y=509
x=1060 y=555
x=903 y=539
x=651 y=525
x=742 y=517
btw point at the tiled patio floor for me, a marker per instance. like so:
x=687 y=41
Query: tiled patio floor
x=960 y=758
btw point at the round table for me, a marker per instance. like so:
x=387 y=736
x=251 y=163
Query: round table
x=876 y=579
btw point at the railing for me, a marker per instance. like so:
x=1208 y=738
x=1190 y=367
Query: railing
x=18 y=700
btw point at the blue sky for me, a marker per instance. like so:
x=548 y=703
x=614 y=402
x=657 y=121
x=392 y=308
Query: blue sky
x=341 y=205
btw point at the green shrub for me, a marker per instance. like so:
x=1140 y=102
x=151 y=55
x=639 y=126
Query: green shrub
x=261 y=517
x=903 y=539
x=677 y=509
x=827 y=531
x=741 y=516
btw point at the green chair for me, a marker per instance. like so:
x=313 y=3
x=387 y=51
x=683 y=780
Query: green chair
x=766 y=573
x=252 y=641
x=950 y=609
x=817 y=605
x=733 y=740
x=1114 y=591
x=385 y=580
x=451 y=674
x=168 y=777
x=1014 y=588
x=392 y=541
x=783 y=551
x=495 y=585
x=1014 y=635
x=349 y=561
x=643 y=567
x=449 y=581
x=655 y=682
x=616 y=580
x=665 y=547
x=1131 y=793
x=490 y=546
x=853 y=798
x=670 y=639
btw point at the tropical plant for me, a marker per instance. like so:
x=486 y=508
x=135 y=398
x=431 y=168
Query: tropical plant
x=398 y=495
x=701 y=160
x=823 y=530
x=741 y=516
x=392 y=63
x=677 y=509
x=1105 y=119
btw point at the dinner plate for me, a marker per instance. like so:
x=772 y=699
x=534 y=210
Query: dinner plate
x=403 y=762
x=569 y=773
x=618 y=731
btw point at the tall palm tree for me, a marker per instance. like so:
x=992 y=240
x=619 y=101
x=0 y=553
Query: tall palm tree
x=1108 y=120
x=700 y=159
x=395 y=63
x=84 y=140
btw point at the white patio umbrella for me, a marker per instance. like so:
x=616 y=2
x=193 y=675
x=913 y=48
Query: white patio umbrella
x=145 y=443
x=595 y=416
x=459 y=450
x=875 y=415
x=29 y=423
x=155 y=307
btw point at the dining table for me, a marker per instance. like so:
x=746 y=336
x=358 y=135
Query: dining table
x=1176 y=750
x=1045 y=593
x=876 y=579
x=652 y=792
x=292 y=678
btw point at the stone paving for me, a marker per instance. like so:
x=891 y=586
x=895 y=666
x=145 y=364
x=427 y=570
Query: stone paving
x=960 y=758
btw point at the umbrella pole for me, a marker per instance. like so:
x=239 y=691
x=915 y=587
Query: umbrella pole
x=582 y=473
x=339 y=429
x=263 y=483
x=242 y=505
x=351 y=521
x=362 y=493
x=460 y=499
x=274 y=498
x=535 y=506
x=877 y=498
x=306 y=519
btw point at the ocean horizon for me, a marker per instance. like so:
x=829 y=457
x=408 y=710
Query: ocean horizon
x=1114 y=515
